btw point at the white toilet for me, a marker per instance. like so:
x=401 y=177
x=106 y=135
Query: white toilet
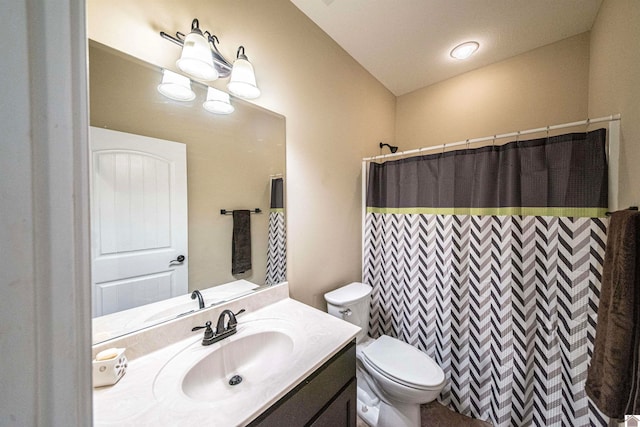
x=394 y=378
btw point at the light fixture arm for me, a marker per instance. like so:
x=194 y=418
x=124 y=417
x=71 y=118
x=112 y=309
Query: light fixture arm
x=220 y=62
x=222 y=65
x=178 y=39
x=195 y=26
x=240 y=54
x=212 y=38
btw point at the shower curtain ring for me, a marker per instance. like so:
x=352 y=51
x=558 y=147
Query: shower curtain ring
x=467 y=144
x=443 y=147
x=547 y=132
x=588 y=123
x=494 y=140
x=518 y=136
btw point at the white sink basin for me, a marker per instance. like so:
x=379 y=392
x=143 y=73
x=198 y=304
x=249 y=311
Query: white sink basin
x=250 y=359
x=259 y=354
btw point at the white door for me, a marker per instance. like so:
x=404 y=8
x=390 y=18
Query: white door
x=138 y=220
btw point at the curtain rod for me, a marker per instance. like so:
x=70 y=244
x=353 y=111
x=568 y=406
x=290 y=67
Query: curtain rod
x=443 y=147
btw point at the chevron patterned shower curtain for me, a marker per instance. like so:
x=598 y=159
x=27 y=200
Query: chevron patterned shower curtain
x=490 y=260
x=277 y=250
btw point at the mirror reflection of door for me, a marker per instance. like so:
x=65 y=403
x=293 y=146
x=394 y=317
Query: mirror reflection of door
x=138 y=220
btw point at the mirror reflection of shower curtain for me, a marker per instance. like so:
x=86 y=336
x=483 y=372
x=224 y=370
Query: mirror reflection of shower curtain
x=277 y=251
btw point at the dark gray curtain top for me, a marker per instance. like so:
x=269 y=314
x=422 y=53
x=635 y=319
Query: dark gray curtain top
x=277 y=193
x=561 y=171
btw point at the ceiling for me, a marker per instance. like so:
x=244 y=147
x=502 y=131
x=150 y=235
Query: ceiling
x=405 y=44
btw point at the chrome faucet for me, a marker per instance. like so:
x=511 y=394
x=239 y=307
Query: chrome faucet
x=196 y=294
x=221 y=331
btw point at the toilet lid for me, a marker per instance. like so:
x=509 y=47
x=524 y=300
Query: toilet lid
x=348 y=294
x=403 y=363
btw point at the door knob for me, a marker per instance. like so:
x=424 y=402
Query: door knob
x=179 y=260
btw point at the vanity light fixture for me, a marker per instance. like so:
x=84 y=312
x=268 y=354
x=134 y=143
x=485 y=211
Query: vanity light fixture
x=176 y=87
x=202 y=60
x=196 y=59
x=243 y=79
x=464 y=50
x=218 y=102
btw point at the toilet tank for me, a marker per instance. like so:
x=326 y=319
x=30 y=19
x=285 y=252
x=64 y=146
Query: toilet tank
x=351 y=303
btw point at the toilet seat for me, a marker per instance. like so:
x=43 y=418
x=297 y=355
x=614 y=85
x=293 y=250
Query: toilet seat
x=403 y=364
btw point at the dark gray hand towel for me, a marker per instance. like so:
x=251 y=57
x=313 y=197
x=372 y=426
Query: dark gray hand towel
x=241 y=242
x=612 y=379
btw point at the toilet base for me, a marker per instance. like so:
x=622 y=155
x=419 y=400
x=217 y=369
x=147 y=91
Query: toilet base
x=377 y=413
x=368 y=407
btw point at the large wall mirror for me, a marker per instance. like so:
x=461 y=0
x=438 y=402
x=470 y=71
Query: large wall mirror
x=232 y=162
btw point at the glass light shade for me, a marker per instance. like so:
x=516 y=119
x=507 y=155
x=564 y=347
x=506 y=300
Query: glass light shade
x=464 y=50
x=218 y=102
x=176 y=87
x=243 y=80
x=196 y=59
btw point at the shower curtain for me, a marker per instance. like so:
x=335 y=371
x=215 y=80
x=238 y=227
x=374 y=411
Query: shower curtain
x=490 y=261
x=277 y=250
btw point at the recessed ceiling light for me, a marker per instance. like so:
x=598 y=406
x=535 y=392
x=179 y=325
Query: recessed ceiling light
x=464 y=50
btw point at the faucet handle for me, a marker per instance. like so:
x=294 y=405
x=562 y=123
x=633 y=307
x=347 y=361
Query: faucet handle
x=206 y=325
x=232 y=319
x=208 y=332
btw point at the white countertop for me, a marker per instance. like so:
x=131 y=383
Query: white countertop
x=142 y=396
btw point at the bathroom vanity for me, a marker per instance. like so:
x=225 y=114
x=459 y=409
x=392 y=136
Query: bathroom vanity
x=325 y=398
x=296 y=366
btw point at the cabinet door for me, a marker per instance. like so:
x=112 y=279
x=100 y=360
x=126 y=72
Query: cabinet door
x=301 y=406
x=342 y=411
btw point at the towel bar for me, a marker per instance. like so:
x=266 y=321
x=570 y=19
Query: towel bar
x=226 y=212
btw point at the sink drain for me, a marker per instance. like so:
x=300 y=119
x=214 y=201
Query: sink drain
x=235 y=380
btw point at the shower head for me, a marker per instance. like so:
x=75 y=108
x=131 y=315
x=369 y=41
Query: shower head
x=391 y=147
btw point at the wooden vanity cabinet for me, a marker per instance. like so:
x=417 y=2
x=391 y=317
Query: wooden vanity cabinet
x=326 y=398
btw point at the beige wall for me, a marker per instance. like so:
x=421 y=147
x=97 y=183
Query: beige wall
x=614 y=85
x=548 y=85
x=335 y=114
